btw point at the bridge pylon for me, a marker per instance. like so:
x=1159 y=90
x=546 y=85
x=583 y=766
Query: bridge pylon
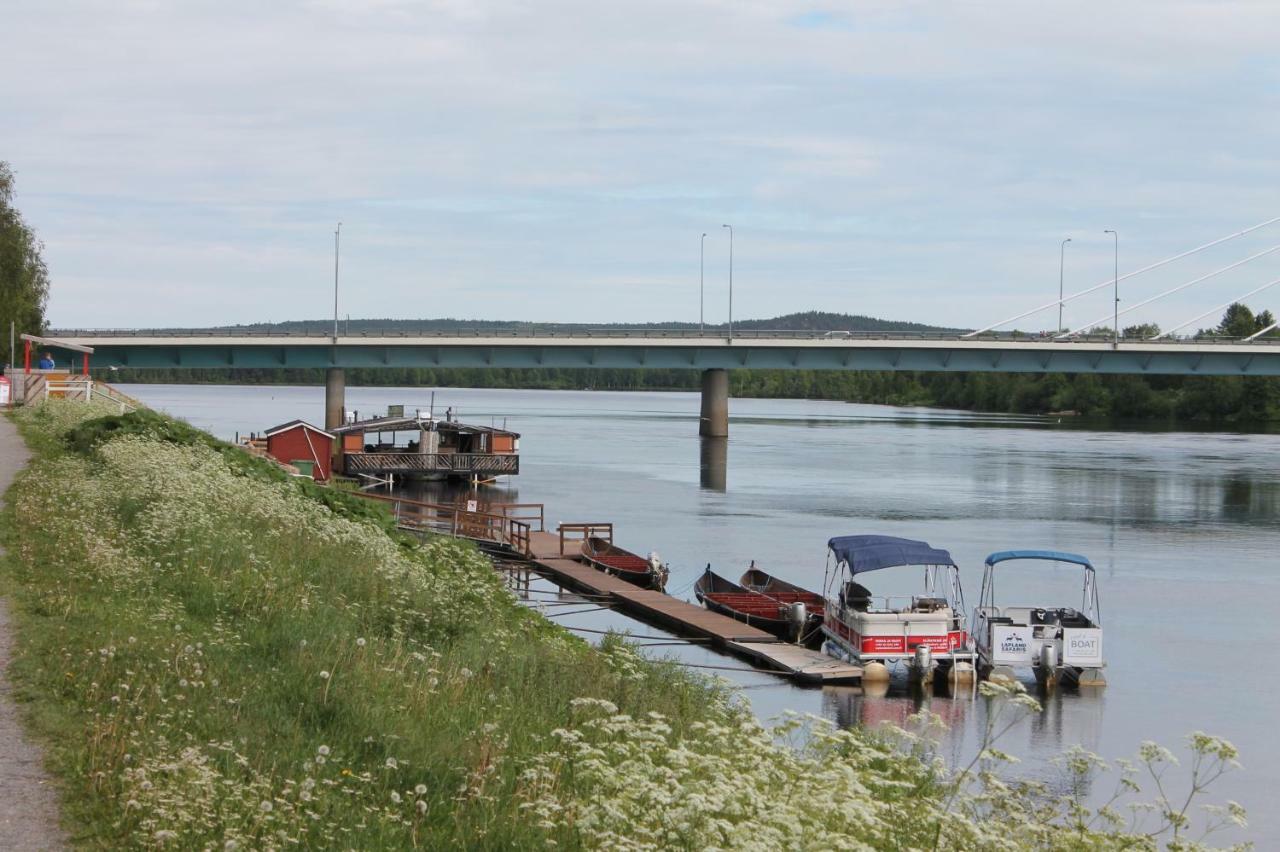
x=714 y=422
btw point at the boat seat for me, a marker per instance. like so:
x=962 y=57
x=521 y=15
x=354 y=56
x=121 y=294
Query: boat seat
x=999 y=619
x=855 y=596
x=1069 y=617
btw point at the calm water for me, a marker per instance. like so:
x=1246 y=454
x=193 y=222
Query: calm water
x=1182 y=526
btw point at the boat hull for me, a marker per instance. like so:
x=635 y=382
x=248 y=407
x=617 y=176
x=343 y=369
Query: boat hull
x=611 y=559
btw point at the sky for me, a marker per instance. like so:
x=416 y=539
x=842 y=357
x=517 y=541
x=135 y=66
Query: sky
x=187 y=163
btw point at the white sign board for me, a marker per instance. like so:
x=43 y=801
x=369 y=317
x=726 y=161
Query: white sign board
x=4 y=391
x=472 y=505
x=1010 y=645
x=1082 y=646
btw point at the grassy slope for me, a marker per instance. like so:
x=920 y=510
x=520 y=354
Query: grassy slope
x=218 y=658
x=176 y=616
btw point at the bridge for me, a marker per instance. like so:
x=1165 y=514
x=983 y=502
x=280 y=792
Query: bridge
x=714 y=355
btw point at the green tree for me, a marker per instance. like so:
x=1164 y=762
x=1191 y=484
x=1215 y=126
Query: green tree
x=1238 y=321
x=24 y=280
x=1141 y=331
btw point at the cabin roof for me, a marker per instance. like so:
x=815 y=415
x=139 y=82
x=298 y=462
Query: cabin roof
x=406 y=424
x=293 y=424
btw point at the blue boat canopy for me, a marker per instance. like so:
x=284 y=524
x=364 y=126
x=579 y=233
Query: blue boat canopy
x=872 y=552
x=1048 y=555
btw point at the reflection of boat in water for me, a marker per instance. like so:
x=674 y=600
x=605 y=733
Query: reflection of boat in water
x=815 y=605
x=1057 y=644
x=608 y=557
x=923 y=631
x=784 y=619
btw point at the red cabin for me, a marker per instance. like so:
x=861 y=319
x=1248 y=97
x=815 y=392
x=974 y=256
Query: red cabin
x=302 y=445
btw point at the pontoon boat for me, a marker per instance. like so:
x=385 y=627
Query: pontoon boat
x=1058 y=644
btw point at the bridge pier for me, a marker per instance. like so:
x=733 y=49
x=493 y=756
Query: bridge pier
x=714 y=422
x=335 y=397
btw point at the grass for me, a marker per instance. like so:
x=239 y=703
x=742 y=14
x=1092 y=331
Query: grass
x=220 y=659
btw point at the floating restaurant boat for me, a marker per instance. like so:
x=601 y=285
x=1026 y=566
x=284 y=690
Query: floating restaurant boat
x=1060 y=645
x=786 y=620
x=815 y=604
x=924 y=631
x=608 y=557
x=420 y=446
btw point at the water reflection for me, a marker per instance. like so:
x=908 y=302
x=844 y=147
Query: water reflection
x=713 y=463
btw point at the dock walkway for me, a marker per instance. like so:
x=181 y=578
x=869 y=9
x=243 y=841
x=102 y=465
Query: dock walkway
x=686 y=619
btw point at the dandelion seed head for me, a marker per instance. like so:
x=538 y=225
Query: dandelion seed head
x=324 y=675
x=420 y=789
x=266 y=806
x=360 y=642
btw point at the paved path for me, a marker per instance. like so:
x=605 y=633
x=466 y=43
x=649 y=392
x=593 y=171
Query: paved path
x=28 y=799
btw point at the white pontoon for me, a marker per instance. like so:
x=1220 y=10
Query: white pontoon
x=924 y=631
x=1057 y=644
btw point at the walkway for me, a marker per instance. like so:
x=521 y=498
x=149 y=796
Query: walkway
x=28 y=799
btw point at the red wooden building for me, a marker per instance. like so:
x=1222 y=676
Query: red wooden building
x=305 y=446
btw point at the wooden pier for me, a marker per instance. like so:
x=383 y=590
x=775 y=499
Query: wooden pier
x=518 y=530
x=551 y=554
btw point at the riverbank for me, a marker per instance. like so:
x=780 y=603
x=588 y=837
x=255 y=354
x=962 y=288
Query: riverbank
x=219 y=659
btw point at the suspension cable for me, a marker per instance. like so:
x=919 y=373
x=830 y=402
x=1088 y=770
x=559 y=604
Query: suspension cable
x=1218 y=308
x=1168 y=292
x=1127 y=275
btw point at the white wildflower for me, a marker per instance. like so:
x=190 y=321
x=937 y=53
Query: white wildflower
x=324 y=675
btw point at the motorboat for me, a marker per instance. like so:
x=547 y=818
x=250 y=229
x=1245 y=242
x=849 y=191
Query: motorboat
x=606 y=556
x=1059 y=644
x=758 y=580
x=924 y=631
x=783 y=614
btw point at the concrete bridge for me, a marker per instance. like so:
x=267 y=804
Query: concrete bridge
x=677 y=349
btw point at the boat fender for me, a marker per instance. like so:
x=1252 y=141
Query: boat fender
x=875 y=672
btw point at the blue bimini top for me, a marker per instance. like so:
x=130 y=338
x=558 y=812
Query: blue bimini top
x=864 y=553
x=1048 y=555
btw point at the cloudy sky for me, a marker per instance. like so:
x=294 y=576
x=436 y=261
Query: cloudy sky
x=185 y=163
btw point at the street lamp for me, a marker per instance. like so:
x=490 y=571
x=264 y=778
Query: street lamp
x=730 y=227
x=1062 y=256
x=336 y=235
x=702 y=279
x=1116 y=317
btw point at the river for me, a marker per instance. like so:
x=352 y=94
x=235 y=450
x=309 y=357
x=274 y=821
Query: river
x=1182 y=526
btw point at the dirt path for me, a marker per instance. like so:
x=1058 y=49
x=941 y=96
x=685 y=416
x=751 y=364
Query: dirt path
x=28 y=799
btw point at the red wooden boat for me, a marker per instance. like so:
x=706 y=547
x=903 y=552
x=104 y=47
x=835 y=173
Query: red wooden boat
x=746 y=605
x=815 y=604
x=611 y=559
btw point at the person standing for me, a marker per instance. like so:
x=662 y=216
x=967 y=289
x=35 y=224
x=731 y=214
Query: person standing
x=46 y=361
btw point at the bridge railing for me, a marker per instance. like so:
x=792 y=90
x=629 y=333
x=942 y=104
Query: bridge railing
x=691 y=334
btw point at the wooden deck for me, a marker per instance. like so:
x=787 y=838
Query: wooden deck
x=686 y=619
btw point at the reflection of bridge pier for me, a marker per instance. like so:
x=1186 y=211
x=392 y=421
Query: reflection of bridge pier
x=713 y=463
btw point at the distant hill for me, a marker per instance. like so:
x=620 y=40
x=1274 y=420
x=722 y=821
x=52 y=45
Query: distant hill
x=806 y=321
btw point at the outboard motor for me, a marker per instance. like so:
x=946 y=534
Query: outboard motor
x=922 y=664
x=798 y=615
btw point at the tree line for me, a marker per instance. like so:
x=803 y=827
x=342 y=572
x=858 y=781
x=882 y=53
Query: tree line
x=24 y=279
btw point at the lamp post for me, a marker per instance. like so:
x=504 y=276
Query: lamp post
x=1115 y=322
x=1062 y=257
x=702 y=280
x=730 y=227
x=336 y=236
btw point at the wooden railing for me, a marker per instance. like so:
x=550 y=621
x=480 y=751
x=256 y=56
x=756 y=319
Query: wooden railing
x=582 y=532
x=465 y=463
x=455 y=520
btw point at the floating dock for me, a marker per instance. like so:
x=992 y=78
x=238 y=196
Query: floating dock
x=551 y=557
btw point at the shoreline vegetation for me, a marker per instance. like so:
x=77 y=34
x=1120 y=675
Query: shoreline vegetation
x=1252 y=401
x=218 y=656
